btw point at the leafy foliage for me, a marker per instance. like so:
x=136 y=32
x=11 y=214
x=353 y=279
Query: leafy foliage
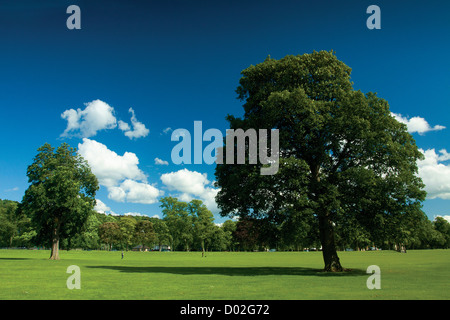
x=60 y=196
x=344 y=160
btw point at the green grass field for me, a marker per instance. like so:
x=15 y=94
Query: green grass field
x=28 y=274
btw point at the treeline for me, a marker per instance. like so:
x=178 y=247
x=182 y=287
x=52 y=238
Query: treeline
x=190 y=226
x=185 y=226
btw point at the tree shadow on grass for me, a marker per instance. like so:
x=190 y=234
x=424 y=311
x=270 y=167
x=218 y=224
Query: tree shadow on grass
x=7 y=258
x=235 y=271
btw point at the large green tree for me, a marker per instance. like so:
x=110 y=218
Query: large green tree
x=342 y=155
x=61 y=194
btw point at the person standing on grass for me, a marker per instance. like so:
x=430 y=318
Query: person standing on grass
x=122 y=254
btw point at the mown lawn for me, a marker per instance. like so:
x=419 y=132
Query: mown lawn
x=28 y=274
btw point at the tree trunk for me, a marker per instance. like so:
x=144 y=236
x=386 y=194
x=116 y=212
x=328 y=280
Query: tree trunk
x=203 y=248
x=330 y=257
x=54 y=255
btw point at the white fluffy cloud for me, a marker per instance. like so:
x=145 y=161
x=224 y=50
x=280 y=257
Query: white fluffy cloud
x=186 y=181
x=101 y=207
x=435 y=174
x=192 y=185
x=160 y=162
x=139 y=129
x=416 y=124
x=119 y=174
x=136 y=192
x=109 y=167
x=12 y=189
x=97 y=116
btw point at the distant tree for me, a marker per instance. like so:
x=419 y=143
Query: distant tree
x=202 y=220
x=246 y=234
x=427 y=237
x=108 y=218
x=217 y=239
x=127 y=227
x=109 y=233
x=61 y=194
x=352 y=234
x=89 y=235
x=8 y=221
x=229 y=228
x=144 y=233
x=298 y=230
x=443 y=227
x=162 y=232
x=178 y=220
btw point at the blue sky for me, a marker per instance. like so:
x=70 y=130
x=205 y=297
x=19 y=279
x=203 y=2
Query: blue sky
x=176 y=62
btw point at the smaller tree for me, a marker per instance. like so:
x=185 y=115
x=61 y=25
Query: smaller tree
x=218 y=239
x=246 y=234
x=177 y=219
x=127 y=230
x=443 y=226
x=161 y=232
x=89 y=236
x=203 y=222
x=144 y=233
x=298 y=230
x=109 y=233
x=229 y=227
x=61 y=194
x=9 y=221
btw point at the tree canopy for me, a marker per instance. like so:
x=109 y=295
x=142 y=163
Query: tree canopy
x=343 y=158
x=60 y=196
x=188 y=222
